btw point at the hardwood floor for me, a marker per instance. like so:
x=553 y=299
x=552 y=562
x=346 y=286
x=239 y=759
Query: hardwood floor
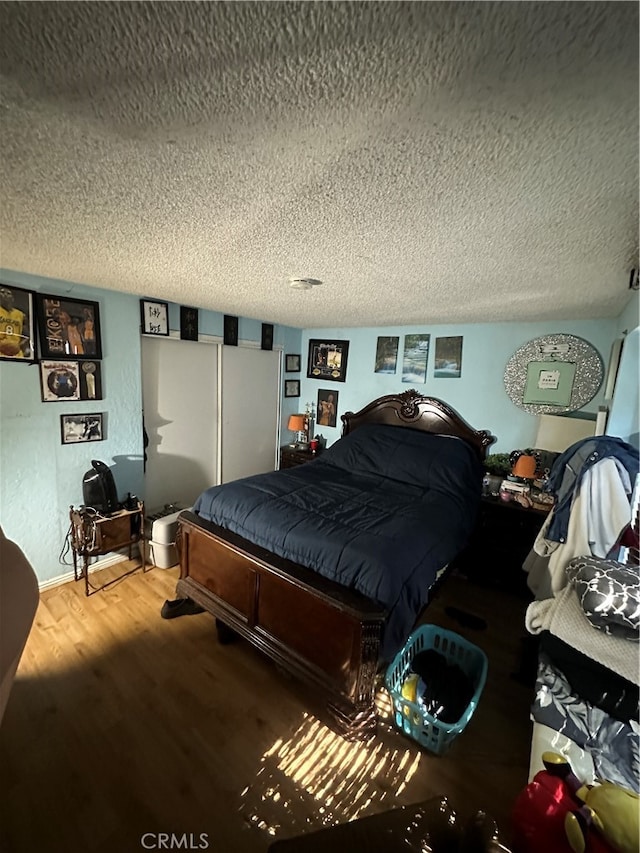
x=121 y=723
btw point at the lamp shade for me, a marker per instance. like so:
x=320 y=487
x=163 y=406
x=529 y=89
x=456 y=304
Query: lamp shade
x=525 y=467
x=296 y=423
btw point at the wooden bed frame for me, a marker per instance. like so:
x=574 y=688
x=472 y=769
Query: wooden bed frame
x=312 y=627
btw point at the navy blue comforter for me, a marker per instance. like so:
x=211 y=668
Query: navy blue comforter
x=381 y=511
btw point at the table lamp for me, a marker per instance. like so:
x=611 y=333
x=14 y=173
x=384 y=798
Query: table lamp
x=296 y=424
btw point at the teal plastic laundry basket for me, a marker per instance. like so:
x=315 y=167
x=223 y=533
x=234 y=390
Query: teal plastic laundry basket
x=410 y=717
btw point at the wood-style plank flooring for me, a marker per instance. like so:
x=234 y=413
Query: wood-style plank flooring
x=121 y=723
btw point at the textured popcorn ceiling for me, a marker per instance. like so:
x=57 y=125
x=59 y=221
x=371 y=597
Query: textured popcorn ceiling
x=430 y=162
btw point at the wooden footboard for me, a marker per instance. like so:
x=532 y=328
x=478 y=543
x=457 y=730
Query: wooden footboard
x=315 y=629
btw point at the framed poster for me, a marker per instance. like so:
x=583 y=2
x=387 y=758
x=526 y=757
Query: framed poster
x=328 y=360
x=448 y=358
x=327 y=408
x=154 y=317
x=76 y=429
x=414 y=360
x=291 y=387
x=292 y=363
x=230 y=330
x=68 y=327
x=188 y=323
x=386 y=355
x=17 y=325
x=60 y=381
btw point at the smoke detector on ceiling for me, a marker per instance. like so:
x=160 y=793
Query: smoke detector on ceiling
x=304 y=283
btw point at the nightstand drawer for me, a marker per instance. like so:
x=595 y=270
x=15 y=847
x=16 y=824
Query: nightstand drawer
x=290 y=457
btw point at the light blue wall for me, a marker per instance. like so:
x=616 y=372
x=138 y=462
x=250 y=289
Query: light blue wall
x=39 y=477
x=478 y=395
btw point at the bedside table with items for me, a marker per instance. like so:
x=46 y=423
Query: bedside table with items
x=292 y=456
x=503 y=537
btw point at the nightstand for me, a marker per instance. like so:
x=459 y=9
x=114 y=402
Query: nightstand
x=92 y=534
x=292 y=456
x=502 y=538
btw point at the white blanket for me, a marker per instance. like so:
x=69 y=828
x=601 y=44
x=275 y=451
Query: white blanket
x=563 y=616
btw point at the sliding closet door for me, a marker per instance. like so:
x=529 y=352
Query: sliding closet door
x=180 y=400
x=249 y=406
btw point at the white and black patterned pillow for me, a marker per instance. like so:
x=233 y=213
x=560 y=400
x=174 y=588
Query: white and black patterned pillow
x=609 y=593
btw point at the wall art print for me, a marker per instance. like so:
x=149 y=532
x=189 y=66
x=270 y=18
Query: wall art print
x=386 y=355
x=328 y=360
x=327 y=408
x=60 y=381
x=414 y=359
x=448 y=358
x=188 y=323
x=17 y=325
x=68 y=327
x=154 y=317
x=77 y=429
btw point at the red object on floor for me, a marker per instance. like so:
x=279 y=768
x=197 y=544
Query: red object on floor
x=538 y=818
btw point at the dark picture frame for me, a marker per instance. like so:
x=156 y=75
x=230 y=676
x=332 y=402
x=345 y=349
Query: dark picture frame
x=266 y=341
x=81 y=428
x=68 y=327
x=188 y=323
x=292 y=363
x=327 y=360
x=230 y=330
x=327 y=408
x=291 y=387
x=154 y=317
x=90 y=380
x=17 y=325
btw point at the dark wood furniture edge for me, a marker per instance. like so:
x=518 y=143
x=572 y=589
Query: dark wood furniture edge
x=352 y=711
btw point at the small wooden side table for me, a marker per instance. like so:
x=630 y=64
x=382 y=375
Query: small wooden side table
x=93 y=534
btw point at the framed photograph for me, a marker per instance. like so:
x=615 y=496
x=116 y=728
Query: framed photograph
x=188 y=323
x=292 y=363
x=328 y=360
x=230 y=337
x=154 y=317
x=76 y=429
x=448 y=358
x=60 y=381
x=68 y=327
x=291 y=387
x=386 y=355
x=414 y=361
x=90 y=380
x=17 y=325
x=327 y=408
x=267 y=336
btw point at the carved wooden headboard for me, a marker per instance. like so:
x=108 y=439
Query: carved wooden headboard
x=413 y=410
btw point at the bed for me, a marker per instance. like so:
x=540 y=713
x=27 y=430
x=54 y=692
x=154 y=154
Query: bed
x=326 y=566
